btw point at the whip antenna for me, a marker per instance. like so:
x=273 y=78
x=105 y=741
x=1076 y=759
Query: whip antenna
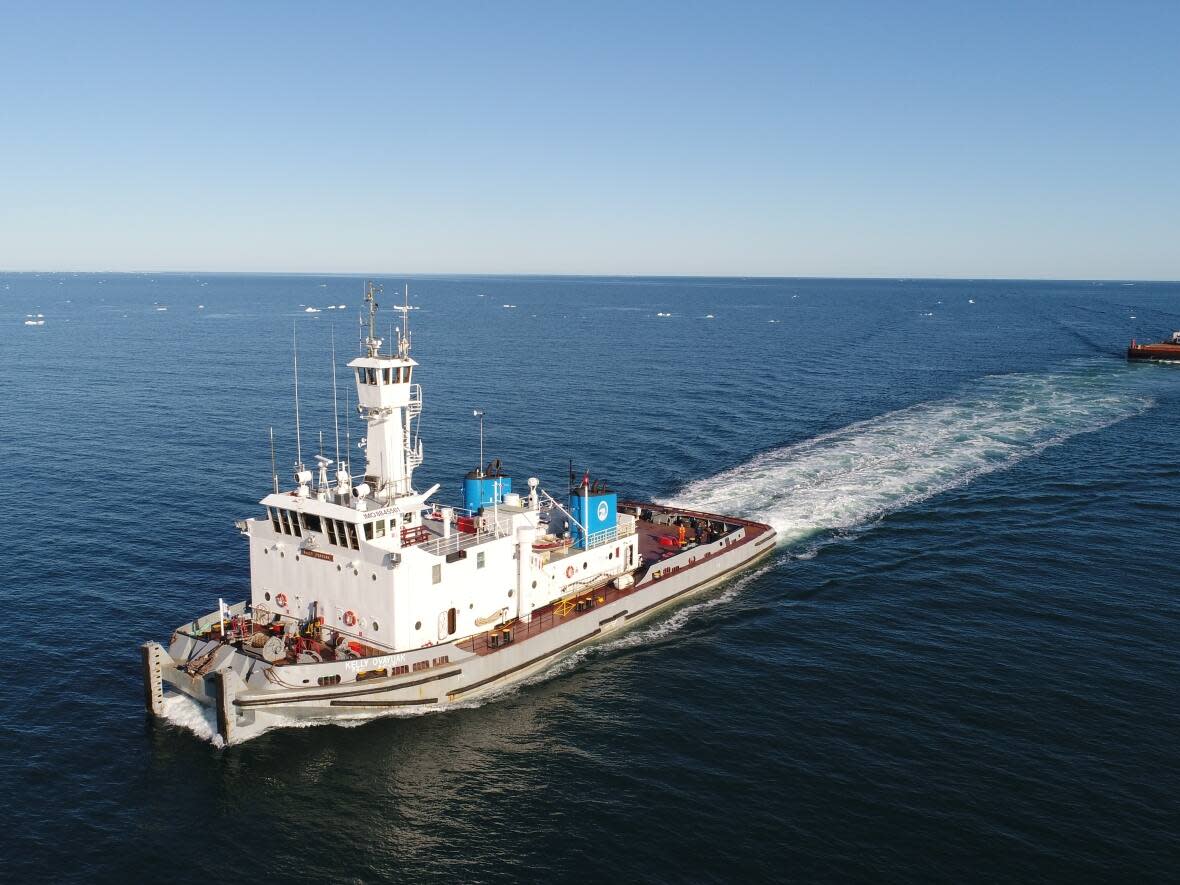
x=335 y=407
x=298 y=438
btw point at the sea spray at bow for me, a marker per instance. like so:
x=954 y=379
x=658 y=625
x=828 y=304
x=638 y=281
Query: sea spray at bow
x=846 y=478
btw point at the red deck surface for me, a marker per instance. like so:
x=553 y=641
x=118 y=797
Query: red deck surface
x=651 y=553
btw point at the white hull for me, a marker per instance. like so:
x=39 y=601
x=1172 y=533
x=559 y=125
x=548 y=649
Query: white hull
x=251 y=696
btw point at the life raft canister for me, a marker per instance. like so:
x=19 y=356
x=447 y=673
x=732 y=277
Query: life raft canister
x=349 y=619
x=281 y=600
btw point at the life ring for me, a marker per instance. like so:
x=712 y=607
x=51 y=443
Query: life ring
x=569 y=572
x=349 y=619
x=281 y=600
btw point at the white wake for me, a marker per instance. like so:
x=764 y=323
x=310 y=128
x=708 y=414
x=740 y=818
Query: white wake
x=851 y=476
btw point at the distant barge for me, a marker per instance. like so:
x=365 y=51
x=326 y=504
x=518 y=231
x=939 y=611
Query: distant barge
x=1160 y=352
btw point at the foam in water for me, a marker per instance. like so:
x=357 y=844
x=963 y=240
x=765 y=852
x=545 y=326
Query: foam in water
x=844 y=479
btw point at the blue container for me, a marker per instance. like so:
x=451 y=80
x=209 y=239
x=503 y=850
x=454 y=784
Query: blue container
x=484 y=491
x=603 y=514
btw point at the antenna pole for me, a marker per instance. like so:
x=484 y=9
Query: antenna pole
x=298 y=437
x=406 y=321
x=335 y=407
x=274 y=474
x=479 y=414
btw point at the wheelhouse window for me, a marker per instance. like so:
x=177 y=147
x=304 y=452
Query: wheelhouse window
x=341 y=534
x=352 y=538
x=286 y=524
x=379 y=528
x=368 y=531
x=273 y=513
x=311 y=522
x=387 y=375
x=331 y=527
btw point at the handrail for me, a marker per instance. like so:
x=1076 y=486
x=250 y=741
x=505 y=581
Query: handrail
x=458 y=540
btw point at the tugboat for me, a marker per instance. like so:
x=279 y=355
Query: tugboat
x=1160 y=352
x=366 y=596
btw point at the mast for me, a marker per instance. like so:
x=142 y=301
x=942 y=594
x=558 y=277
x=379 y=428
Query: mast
x=372 y=343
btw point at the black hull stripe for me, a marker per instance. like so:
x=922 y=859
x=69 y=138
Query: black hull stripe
x=384 y=703
x=328 y=696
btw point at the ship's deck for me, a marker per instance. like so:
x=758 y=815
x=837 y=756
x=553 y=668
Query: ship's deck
x=654 y=522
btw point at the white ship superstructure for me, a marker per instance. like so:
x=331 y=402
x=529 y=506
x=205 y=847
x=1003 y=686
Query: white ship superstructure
x=368 y=594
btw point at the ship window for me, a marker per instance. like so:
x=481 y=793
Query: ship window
x=334 y=679
x=352 y=541
x=295 y=525
x=379 y=529
x=452 y=620
x=368 y=531
x=436 y=574
x=286 y=524
x=371 y=375
x=406 y=374
x=408 y=519
x=311 y=522
x=418 y=624
x=331 y=527
x=479 y=559
x=341 y=535
x=387 y=375
x=360 y=375
x=274 y=518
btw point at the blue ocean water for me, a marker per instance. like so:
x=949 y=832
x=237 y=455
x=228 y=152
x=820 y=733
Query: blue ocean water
x=960 y=665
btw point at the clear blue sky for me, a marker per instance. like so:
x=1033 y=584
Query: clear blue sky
x=847 y=139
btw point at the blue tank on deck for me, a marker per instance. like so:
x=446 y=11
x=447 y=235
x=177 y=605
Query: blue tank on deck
x=483 y=490
x=598 y=511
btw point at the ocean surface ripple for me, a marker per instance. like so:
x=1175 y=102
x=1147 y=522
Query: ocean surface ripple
x=960 y=664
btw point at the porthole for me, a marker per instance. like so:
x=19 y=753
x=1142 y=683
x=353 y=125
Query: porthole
x=267 y=595
x=297 y=557
x=281 y=554
x=376 y=626
x=471 y=605
x=583 y=566
x=509 y=594
x=265 y=551
x=374 y=577
x=418 y=625
x=610 y=556
x=338 y=568
x=534 y=585
x=355 y=573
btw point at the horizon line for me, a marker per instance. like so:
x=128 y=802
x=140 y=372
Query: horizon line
x=437 y=274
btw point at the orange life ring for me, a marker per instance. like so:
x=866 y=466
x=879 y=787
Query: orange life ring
x=281 y=600
x=569 y=572
x=349 y=619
